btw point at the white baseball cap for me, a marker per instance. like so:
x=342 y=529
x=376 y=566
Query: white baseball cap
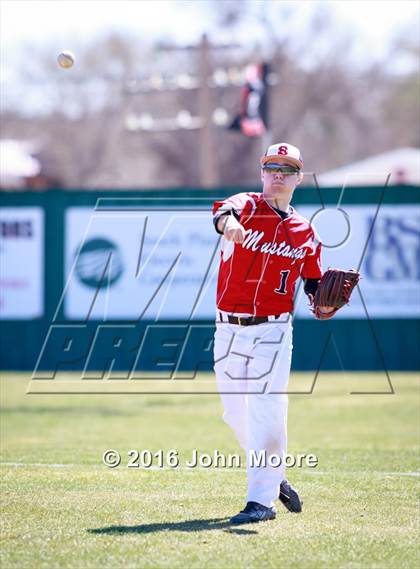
x=283 y=152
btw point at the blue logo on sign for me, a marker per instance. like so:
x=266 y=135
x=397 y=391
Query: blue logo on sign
x=394 y=249
x=99 y=263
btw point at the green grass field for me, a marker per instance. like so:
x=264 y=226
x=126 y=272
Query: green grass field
x=61 y=507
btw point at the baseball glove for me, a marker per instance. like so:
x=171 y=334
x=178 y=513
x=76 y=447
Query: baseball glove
x=333 y=292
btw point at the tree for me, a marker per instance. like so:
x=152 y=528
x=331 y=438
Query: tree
x=335 y=111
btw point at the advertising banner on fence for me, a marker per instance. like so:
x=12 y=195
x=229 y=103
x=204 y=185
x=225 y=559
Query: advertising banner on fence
x=162 y=264
x=385 y=243
x=141 y=264
x=21 y=263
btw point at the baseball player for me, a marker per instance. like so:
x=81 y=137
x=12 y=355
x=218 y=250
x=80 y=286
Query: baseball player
x=265 y=247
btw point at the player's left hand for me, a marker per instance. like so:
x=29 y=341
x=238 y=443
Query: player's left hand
x=323 y=312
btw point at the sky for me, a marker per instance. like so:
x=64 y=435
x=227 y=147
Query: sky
x=72 y=21
x=70 y=24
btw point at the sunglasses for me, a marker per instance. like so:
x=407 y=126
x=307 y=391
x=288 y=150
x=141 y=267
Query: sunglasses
x=283 y=168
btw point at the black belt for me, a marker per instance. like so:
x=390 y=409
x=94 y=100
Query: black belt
x=247 y=320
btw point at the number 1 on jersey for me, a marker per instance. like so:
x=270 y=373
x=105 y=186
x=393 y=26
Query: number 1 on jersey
x=283 y=282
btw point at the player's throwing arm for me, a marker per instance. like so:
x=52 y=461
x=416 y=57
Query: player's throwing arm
x=231 y=228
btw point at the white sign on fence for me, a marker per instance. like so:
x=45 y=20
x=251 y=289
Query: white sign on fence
x=385 y=244
x=21 y=262
x=142 y=264
x=163 y=263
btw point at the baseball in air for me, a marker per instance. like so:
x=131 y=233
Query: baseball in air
x=66 y=59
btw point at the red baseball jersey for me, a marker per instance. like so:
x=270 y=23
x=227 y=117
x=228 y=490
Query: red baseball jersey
x=259 y=276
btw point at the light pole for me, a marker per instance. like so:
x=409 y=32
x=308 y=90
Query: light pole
x=208 y=168
x=208 y=118
x=205 y=122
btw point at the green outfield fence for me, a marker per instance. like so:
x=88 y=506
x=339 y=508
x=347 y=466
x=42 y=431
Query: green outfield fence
x=391 y=344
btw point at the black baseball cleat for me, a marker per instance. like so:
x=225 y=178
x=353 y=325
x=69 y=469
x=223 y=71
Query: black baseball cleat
x=290 y=498
x=252 y=513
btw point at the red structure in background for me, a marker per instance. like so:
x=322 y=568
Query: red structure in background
x=252 y=119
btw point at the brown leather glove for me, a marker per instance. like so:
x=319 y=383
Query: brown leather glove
x=333 y=292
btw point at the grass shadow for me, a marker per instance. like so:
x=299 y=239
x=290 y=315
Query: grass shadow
x=187 y=526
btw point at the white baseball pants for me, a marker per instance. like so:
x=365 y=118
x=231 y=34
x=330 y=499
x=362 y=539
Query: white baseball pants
x=252 y=365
